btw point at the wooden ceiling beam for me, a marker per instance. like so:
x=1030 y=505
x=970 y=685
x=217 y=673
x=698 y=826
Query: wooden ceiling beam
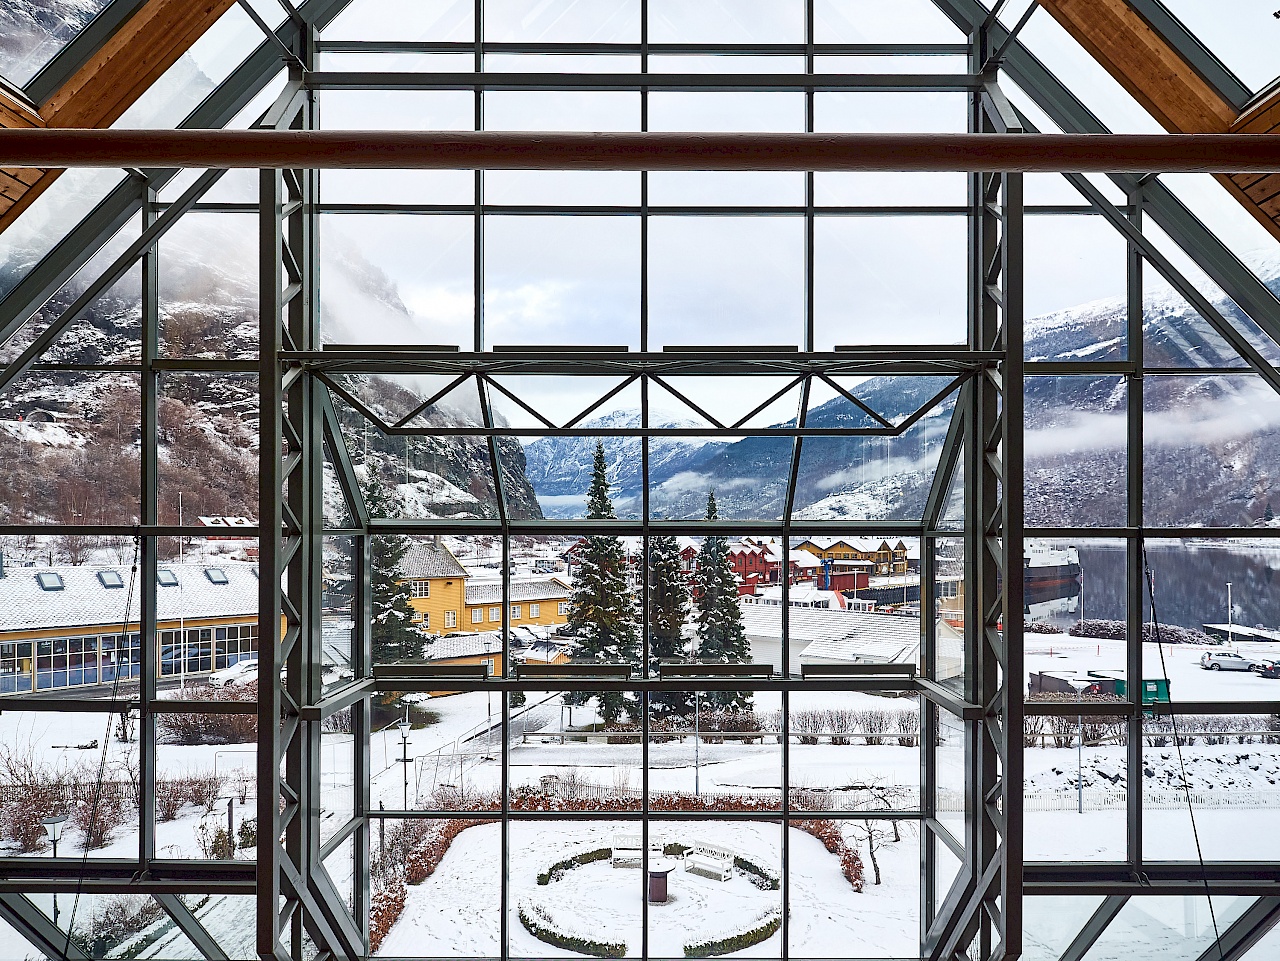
x=1164 y=83
x=109 y=83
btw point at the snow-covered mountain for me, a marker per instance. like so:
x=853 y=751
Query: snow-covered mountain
x=1212 y=442
x=559 y=468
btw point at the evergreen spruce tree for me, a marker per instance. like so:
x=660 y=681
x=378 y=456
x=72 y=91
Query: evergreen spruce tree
x=668 y=611
x=602 y=611
x=721 y=636
x=393 y=635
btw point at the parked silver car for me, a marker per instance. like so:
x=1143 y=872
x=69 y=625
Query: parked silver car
x=1224 y=661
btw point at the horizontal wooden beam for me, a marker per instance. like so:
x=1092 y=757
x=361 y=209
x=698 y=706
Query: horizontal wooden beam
x=372 y=149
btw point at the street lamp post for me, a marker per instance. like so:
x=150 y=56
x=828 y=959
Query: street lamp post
x=697 y=741
x=1230 y=634
x=404 y=727
x=1080 y=685
x=53 y=827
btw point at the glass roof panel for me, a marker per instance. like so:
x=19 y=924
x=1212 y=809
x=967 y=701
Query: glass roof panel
x=33 y=32
x=1244 y=38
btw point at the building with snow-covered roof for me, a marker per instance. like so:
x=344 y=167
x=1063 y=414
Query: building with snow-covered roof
x=889 y=557
x=445 y=597
x=826 y=636
x=72 y=626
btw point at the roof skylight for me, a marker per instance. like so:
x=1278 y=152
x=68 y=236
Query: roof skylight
x=166 y=578
x=49 y=581
x=110 y=579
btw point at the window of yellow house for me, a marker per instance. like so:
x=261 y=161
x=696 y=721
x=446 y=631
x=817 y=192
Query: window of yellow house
x=477 y=615
x=515 y=612
x=420 y=588
x=423 y=618
x=563 y=608
x=535 y=610
x=495 y=615
x=450 y=618
x=488 y=666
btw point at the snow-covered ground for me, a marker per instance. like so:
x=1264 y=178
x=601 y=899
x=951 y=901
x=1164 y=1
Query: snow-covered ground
x=455 y=912
x=462 y=748
x=1188 y=681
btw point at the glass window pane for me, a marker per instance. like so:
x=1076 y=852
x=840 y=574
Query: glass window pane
x=869 y=289
x=387 y=279
x=726 y=280
x=562 y=280
x=1207 y=446
x=562 y=21
x=31 y=41
x=718 y=21
x=1076 y=426
x=412 y=20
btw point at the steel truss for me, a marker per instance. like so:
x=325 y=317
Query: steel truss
x=300 y=911
x=295 y=893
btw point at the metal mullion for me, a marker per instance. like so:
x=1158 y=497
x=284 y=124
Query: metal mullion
x=631 y=82
x=269 y=603
x=690 y=528
x=1012 y=668
x=336 y=209
x=1134 y=518
x=149 y=480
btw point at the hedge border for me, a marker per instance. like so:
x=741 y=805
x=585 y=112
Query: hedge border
x=557 y=870
x=736 y=942
x=542 y=930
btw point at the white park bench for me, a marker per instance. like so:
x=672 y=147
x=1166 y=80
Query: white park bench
x=710 y=860
x=626 y=849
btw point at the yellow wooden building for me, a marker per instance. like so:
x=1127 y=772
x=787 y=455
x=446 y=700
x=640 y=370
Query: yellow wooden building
x=445 y=600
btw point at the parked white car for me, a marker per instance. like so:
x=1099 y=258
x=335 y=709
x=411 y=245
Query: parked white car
x=241 y=672
x=1224 y=661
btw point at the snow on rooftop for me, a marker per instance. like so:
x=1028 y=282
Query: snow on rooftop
x=531 y=589
x=84 y=599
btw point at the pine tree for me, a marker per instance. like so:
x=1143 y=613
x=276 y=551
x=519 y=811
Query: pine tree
x=721 y=636
x=668 y=611
x=393 y=636
x=602 y=611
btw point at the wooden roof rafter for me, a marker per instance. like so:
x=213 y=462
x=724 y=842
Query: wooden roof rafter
x=106 y=85
x=1173 y=92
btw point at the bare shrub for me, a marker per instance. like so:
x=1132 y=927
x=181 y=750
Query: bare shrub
x=206 y=728
x=877 y=723
x=174 y=793
x=33 y=791
x=115 y=919
x=98 y=819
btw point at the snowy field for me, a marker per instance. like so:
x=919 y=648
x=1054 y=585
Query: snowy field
x=1228 y=781
x=828 y=918
x=1188 y=681
x=461 y=750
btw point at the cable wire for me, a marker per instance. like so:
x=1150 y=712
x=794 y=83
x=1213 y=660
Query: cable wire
x=106 y=737
x=1182 y=766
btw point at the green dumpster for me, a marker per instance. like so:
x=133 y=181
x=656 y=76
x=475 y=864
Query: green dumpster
x=1155 y=690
